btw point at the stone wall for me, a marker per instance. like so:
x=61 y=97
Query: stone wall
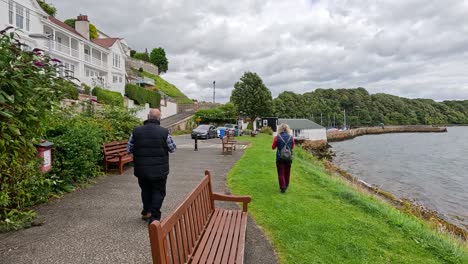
x=137 y=64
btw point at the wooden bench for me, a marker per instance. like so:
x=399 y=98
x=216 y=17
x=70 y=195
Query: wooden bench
x=227 y=146
x=116 y=153
x=197 y=232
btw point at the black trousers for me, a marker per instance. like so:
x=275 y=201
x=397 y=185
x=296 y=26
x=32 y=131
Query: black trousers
x=153 y=192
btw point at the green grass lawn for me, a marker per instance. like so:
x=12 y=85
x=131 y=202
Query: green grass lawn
x=320 y=219
x=169 y=89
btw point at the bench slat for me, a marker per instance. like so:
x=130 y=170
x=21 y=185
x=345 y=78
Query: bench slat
x=229 y=239
x=241 y=246
x=208 y=239
x=180 y=246
x=232 y=254
x=214 y=247
x=201 y=246
x=172 y=248
x=223 y=239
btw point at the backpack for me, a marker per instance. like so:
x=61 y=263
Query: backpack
x=285 y=152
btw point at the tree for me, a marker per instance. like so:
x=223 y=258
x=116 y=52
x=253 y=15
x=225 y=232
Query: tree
x=48 y=8
x=132 y=53
x=158 y=58
x=251 y=97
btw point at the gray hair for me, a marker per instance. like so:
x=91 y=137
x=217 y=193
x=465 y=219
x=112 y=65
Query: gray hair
x=284 y=128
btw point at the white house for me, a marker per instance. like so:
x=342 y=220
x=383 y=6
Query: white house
x=305 y=129
x=95 y=62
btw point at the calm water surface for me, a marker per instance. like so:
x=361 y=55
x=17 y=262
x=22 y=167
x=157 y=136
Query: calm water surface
x=431 y=168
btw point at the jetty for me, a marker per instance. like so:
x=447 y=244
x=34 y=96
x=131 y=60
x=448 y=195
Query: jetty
x=333 y=136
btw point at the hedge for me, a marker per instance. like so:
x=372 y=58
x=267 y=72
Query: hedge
x=142 y=96
x=108 y=97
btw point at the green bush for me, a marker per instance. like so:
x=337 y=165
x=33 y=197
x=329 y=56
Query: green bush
x=266 y=130
x=108 y=97
x=142 y=96
x=29 y=88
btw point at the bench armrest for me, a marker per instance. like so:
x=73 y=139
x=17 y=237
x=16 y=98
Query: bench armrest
x=245 y=199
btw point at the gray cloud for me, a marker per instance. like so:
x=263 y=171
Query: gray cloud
x=413 y=48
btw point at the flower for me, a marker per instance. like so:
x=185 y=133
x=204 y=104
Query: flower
x=37 y=51
x=56 y=60
x=39 y=64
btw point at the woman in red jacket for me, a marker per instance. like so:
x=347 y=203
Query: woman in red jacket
x=284 y=143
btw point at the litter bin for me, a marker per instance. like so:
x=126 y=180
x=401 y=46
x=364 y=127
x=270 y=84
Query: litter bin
x=221 y=132
x=236 y=132
x=44 y=151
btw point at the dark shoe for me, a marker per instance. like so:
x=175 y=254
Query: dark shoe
x=146 y=216
x=283 y=190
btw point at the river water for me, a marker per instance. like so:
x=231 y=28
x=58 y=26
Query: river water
x=431 y=168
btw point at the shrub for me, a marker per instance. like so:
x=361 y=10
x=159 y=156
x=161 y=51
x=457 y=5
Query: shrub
x=142 y=96
x=266 y=130
x=118 y=122
x=108 y=97
x=48 y=8
x=29 y=89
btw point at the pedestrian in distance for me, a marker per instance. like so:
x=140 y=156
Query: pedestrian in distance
x=284 y=144
x=151 y=144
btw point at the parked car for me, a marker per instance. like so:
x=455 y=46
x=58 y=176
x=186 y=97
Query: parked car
x=204 y=132
x=234 y=128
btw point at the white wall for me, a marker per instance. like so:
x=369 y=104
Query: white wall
x=313 y=134
x=114 y=71
x=35 y=24
x=169 y=110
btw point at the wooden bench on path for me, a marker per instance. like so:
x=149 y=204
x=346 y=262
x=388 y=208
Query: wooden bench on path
x=228 y=146
x=116 y=153
x=197 y=232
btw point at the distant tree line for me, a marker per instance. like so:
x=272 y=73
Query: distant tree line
x=327 y=107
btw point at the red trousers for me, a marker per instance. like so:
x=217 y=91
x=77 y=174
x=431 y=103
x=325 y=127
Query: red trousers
x=284 y=171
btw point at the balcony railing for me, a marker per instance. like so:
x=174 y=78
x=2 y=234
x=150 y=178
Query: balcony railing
x=94 y=61
x=64 y=49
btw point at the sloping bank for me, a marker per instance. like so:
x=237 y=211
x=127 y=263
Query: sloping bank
x=352 y=133
x=321 y=219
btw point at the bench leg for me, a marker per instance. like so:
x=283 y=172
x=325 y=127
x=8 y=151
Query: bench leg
x=121 y=168
x=105 y=166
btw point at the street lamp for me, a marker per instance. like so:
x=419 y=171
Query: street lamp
x=214 y=84
x=47 y=36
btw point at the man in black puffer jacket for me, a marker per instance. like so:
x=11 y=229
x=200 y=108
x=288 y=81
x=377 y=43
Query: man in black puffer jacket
x=150 y=145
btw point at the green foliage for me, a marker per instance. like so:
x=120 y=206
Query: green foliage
x=93 y=34
x=266 y=130
x=326 y=106
x=169 y=89
x=29 y=89
x=321 y=219
x=251 y=97
x=132 y=53
x=48 y=8
x=224 y=114
x=141 y=56
x=142 y=96
x=108 y=97
x=158 y=58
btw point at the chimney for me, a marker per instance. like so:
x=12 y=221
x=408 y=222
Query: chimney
x=82 y=25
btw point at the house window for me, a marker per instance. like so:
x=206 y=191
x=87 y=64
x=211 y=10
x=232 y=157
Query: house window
x=115 y=60
x=27 y=19
x=114 y=79
x=72 y=70
x=19 y=16
x=10 y=12
x=120 y=79
x=87 y=72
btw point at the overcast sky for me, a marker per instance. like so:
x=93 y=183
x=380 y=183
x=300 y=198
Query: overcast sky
x=410 y=48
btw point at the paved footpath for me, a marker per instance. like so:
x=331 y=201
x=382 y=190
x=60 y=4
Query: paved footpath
x=102 y=224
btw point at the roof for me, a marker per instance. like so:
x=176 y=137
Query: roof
x=105 y=42
x=63 y=25
x=300 y=123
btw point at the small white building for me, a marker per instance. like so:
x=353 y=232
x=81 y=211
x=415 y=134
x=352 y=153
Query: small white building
x=305 y=129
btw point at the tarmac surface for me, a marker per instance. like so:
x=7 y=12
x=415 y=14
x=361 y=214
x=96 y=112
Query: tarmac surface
x=101 y=224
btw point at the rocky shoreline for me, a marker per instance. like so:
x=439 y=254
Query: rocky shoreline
x=433 y=217
x=334 y=136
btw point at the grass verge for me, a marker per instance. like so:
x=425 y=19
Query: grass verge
x=321 y=219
